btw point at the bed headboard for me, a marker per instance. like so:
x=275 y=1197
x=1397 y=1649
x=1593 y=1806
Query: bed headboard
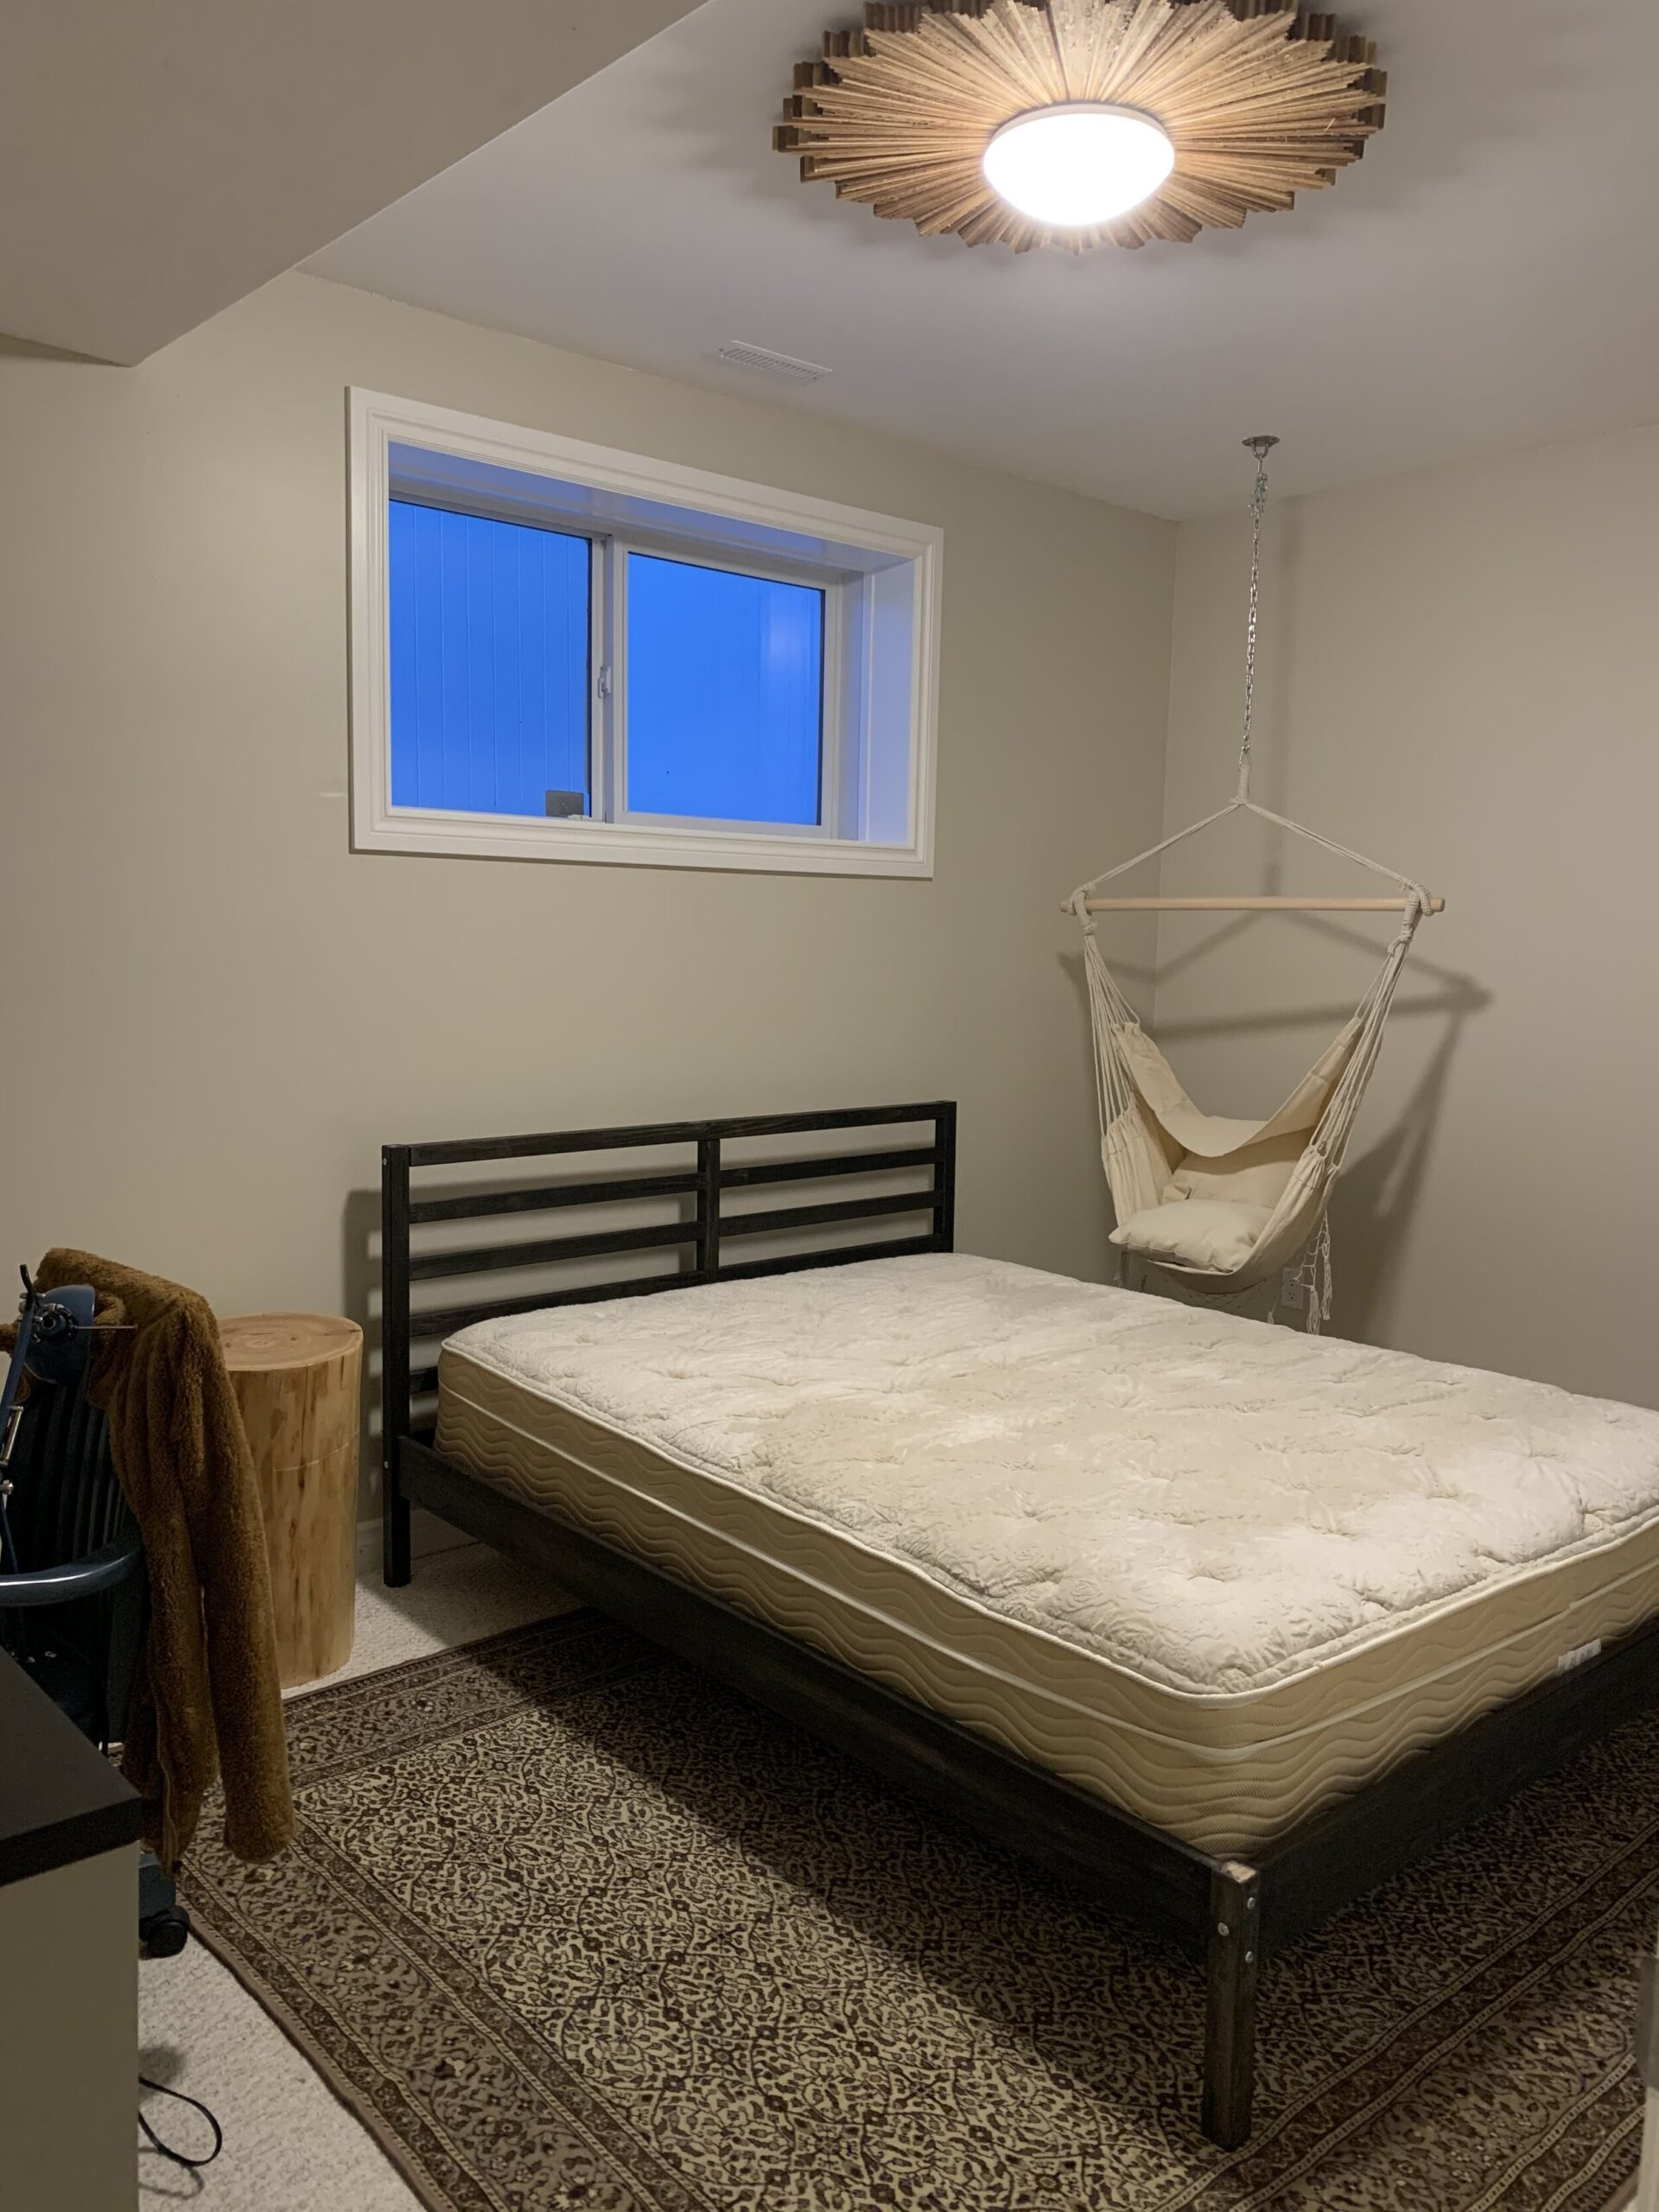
x=677 y=1205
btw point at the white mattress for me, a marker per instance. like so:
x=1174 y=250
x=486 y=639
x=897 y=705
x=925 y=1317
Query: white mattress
x=1215 y=1571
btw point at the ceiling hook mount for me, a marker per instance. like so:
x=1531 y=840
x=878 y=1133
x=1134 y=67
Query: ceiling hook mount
x=1262 y=445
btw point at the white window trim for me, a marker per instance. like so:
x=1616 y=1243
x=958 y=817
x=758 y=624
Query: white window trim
x=850 y=536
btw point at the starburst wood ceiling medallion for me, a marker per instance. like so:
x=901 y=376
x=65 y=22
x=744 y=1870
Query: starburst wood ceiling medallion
x=1257 y=100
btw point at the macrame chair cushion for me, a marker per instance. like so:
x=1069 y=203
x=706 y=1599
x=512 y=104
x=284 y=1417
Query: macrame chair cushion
x=1229 y=1246
x=1253 y=1175
x=1212 y=1236
x=1214 y=1155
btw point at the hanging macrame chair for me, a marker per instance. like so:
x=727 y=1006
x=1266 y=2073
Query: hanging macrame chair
x=1222 y=1205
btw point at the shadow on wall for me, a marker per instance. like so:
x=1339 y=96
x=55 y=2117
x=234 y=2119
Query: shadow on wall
x=1378 y=1195
x=360 y=1281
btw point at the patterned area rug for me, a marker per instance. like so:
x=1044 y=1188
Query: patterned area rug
x=568 y=1925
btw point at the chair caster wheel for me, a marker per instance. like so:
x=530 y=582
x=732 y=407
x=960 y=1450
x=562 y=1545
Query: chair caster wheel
x=163 y=1935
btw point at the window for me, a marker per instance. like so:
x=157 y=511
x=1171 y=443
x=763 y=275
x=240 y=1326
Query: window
x=489 y=626
x=567 y=653
x=725 y=682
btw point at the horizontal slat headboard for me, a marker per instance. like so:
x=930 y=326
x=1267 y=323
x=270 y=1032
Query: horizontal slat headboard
x=706 y=1222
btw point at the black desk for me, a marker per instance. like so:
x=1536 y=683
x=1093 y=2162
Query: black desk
x=61 y=1800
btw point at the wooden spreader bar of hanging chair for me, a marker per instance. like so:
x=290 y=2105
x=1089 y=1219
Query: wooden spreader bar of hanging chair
x=1251 y=903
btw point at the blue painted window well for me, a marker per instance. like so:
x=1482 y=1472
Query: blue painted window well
x=490 y=626
x=725 y=694
x=497 y=709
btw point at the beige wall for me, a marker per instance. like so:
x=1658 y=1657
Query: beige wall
x=1460 y=676
x=235 y=1010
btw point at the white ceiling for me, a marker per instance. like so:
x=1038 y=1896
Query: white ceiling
x=1483 y=279
x=158 y=160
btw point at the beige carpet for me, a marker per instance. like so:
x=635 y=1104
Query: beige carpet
x=289 y=2144
x=566 y=1925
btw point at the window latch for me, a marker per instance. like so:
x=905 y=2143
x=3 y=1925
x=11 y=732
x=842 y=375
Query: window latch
x=604 y=684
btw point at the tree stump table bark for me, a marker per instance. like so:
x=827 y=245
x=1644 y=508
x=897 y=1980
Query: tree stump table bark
x=296 y=1378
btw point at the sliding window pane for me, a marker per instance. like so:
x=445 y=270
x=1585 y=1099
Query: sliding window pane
x=490 y=630
x=725 y=694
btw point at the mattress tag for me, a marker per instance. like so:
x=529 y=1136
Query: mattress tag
x=1578 y=1657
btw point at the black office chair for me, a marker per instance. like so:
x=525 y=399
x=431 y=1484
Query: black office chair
x=73 y=1599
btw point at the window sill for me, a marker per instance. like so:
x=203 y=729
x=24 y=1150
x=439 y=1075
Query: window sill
x=632 y=844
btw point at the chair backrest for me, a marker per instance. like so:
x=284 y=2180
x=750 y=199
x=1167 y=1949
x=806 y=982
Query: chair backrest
x=65 y=1502
x=67 y=1505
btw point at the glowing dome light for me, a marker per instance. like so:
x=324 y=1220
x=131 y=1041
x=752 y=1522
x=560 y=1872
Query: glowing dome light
x=1078 y=164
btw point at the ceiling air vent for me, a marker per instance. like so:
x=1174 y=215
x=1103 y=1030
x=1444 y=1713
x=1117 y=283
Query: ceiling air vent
x=742 y=356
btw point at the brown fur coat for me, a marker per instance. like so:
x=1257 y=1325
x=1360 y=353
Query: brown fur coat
x=207 y=1700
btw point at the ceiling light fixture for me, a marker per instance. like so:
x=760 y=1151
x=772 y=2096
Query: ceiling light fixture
x=1021 y=122
x=1077 y=163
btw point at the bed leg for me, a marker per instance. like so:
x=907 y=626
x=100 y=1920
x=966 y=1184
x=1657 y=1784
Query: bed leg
x=395 y=1569
x=1233 y=1953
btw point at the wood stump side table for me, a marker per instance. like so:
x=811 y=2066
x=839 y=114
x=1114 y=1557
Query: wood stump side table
x=296 y=1378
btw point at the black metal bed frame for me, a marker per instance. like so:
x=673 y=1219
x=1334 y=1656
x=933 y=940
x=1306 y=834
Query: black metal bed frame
x=1230 y=1914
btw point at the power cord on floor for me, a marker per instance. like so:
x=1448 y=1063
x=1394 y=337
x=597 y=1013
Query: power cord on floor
x=167 y=2151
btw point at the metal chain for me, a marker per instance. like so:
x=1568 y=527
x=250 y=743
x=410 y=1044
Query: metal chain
x=1261 y=447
